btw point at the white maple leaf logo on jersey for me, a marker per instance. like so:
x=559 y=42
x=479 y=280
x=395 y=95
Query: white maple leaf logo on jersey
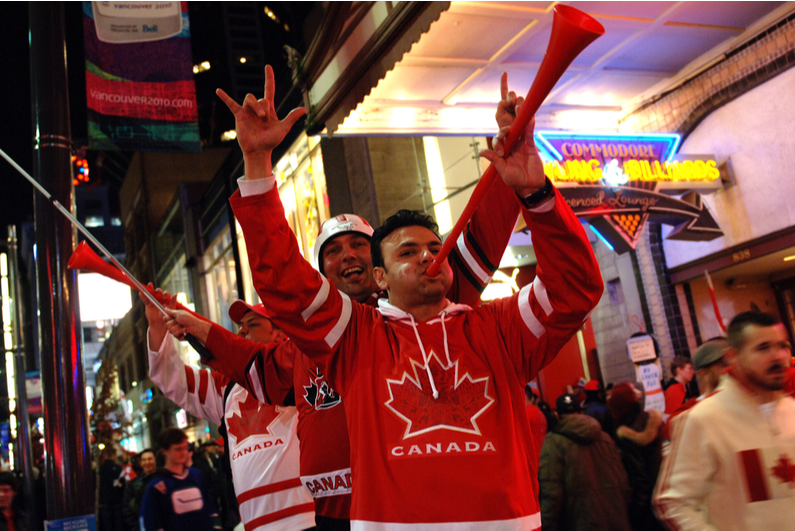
x=460 y=403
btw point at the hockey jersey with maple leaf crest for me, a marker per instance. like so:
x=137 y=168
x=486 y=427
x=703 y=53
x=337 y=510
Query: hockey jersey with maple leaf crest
x=263 y=445
x=277 y=371
x=450 y=471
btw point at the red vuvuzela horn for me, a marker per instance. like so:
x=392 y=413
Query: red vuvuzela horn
x=572 y=32
x=86 y=259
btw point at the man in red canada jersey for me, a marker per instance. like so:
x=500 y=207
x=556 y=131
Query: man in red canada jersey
x=275 y=373
x=433 y=390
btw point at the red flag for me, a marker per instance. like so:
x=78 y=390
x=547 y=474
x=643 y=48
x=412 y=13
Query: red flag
x=714 y=301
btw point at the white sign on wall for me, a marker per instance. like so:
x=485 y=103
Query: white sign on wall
x=641 y=348
x=649 y=375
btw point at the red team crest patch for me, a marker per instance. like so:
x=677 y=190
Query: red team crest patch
x=460 y=403
x=254 y=419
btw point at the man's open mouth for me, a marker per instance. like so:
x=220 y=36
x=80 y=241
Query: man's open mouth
x=352 y=272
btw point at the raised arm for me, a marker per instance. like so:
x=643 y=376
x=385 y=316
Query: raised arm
x=309 y=309
x=259 y=129
x=568 y=283
x=480 y=247
x=198 y=391
x=266 y=371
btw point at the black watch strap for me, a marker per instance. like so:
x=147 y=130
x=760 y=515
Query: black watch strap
x=534 y=199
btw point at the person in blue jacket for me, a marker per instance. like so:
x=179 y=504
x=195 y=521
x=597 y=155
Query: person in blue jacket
x=177 y=497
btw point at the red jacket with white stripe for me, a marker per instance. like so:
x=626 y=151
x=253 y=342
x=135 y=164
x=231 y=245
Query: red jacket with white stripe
x=463 y=458
x=263 y=444
x=276 y=372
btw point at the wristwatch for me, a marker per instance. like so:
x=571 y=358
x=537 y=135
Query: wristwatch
x=537 y=197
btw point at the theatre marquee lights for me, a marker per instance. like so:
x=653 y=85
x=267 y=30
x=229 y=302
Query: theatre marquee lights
x=618 y=182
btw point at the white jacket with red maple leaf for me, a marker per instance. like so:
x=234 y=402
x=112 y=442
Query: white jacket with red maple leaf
x=461 y=459
x=731 y=465
x=263 y=445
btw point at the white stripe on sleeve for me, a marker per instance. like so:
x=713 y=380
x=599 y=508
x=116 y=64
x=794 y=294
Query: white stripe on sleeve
x=320 y=298
x=339 y=328
x=470 y=260
x=256 y=385
x=527 y=314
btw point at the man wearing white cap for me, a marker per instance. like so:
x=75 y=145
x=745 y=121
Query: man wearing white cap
x=262 y=439
x=281 y=372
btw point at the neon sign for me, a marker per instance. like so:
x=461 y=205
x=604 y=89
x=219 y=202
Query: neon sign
x=592 y=171
x=619 y=182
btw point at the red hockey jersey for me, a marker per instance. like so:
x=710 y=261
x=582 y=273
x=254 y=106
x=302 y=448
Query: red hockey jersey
x=463 y=457
x=276 y=372
x=263 y=446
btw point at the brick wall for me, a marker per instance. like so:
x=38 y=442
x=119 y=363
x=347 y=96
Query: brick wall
x=671 y=315
x=747 y=66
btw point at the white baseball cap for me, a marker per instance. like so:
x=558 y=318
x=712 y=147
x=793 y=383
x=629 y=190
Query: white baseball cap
x=336 y=226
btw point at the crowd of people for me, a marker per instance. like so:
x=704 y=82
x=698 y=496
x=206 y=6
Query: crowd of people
x=400 y=401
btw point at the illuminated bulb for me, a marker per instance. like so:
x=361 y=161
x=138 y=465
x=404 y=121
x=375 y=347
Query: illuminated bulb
x=789 y=258
x=205 y=65
x=101 y=446
x=242 y=60
x=226 y=136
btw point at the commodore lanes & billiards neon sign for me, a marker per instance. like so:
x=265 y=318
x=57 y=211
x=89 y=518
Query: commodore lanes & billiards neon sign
x=619 y=182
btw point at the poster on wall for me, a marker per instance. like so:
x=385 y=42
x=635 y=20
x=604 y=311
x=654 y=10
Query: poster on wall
x=140 y=91
x=650 y=374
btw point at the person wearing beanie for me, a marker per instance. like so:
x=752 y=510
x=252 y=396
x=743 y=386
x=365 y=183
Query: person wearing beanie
x=639 y=438
x=582 y=483
x=595 y=406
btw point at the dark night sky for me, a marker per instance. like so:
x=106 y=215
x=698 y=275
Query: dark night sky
x=16 y=198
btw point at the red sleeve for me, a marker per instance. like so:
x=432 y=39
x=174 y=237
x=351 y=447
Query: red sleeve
x=789 y=387
x=544 y=315
x=266 y=371
x=479 y=249
x=305 y=305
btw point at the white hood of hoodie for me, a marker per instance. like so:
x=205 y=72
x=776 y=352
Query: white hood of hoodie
x=393 y=313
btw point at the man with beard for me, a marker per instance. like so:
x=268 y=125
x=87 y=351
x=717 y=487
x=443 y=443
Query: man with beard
x=732 y=461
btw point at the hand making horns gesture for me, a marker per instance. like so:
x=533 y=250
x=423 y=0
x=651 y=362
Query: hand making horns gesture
x=259 y=129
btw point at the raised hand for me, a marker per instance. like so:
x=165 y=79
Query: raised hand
x=180 y=322
x=522 y=169
x=157 y=330
x=259 y=129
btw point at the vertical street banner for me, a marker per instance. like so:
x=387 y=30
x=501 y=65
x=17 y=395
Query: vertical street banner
x=140 y=91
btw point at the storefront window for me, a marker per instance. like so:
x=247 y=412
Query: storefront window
x=221 y=278
x=302 y=188
x=454 y=169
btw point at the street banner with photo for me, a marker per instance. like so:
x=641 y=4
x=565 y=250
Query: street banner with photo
x=140 y=91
